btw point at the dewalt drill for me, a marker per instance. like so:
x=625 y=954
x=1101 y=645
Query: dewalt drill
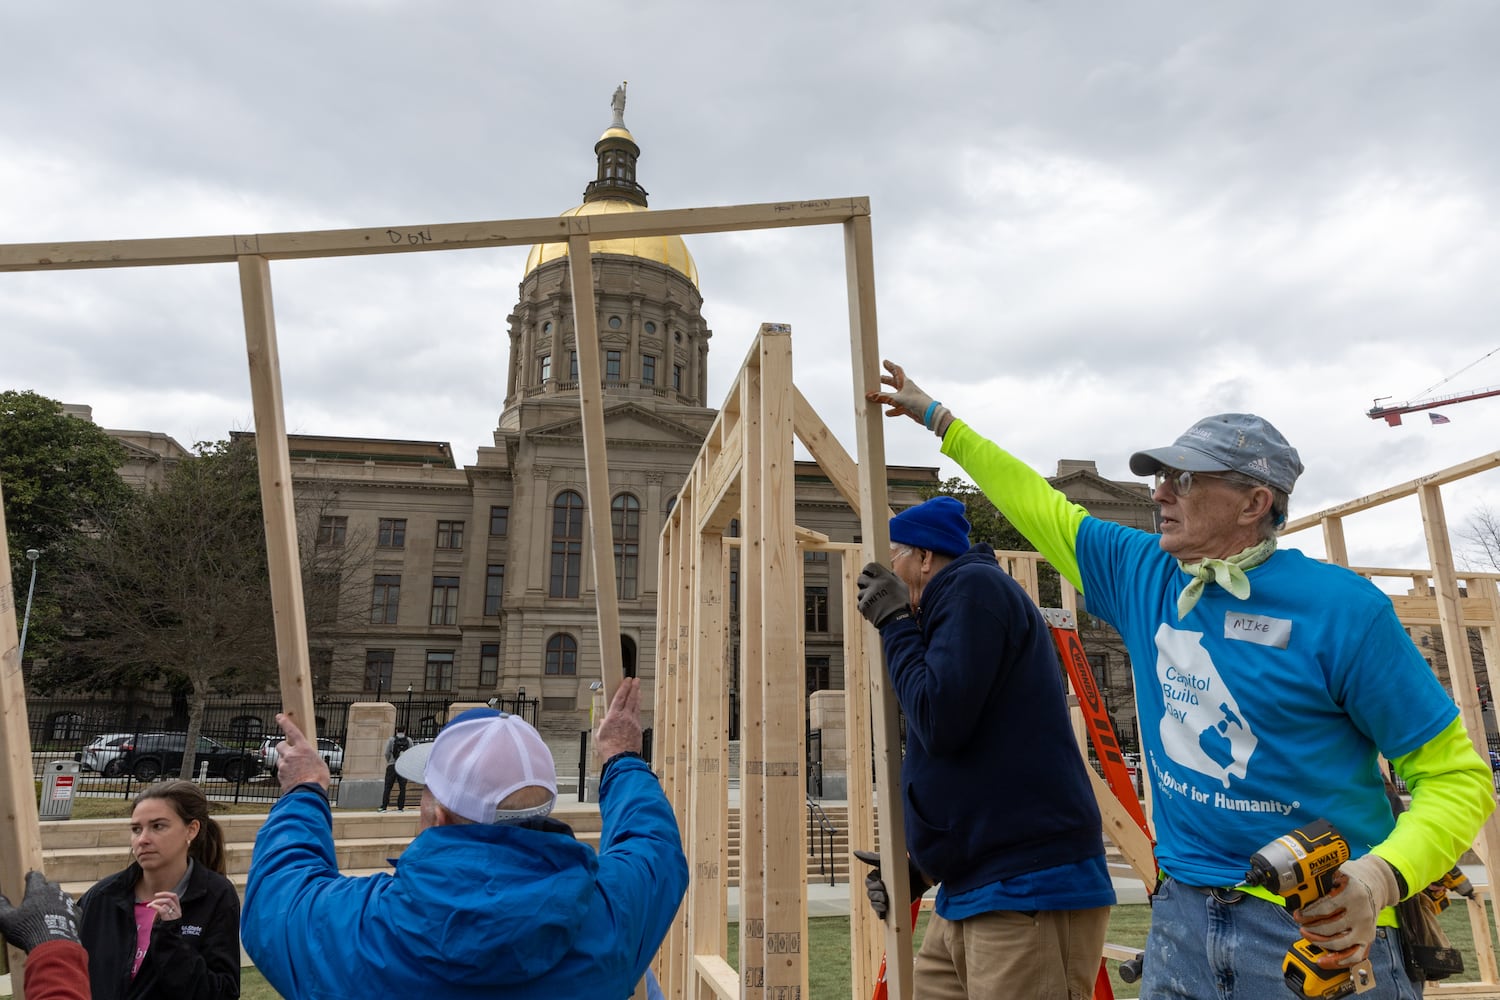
x=1301 y=867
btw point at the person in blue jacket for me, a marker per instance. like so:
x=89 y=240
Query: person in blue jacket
x=492 y=898
x=1023 y=888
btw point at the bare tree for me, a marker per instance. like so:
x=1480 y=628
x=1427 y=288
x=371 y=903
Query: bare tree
x=1481 y=538
x=174 y=587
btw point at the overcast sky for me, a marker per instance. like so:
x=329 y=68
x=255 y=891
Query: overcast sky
x=1094 y=223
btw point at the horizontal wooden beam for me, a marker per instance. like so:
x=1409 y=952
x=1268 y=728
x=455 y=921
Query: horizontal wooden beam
x=718 y=975
x=1409 y=489
x=426 y=237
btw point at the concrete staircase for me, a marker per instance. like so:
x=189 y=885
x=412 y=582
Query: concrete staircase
x=838 y=858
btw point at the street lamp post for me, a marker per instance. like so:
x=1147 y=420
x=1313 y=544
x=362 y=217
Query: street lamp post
x=33 y=555
x=408 y=707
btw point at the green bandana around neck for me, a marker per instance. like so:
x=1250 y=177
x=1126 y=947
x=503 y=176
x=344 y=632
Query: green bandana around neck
x=1227 y=573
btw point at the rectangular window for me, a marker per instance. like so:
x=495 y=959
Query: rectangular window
x=546 y=367
x=386 y=599
x=489 y=664
x=815 y=608
x=392 y=534
x=819 y=674
x=450 y=534
x=322 y=669
x=494 y=589
x=734 y=591
x=444 y=600
x=572 y=366
x=648 y=369
x=499 y=520
x=331 y=529
x=810 y=556
x=612 y=366
x=379 y=664
x=677 y=377
x=440 y=670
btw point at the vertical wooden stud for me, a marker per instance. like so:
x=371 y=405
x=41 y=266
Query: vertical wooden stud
x=278 y=505
x=595 y=459
x=859 y=266
x=20 y=834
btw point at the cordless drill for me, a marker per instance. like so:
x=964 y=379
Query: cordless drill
x=1301 y=867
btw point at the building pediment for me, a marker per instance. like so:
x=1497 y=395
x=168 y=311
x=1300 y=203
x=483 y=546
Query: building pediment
x=624 y=422
x=1082 y=486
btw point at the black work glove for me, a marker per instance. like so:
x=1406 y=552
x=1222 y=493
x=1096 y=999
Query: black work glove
x=883 y=597
x=46 y=914
x=880 y=900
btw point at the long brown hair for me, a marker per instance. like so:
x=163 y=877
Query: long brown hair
x=207 y=848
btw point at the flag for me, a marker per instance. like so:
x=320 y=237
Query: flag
x=1438 y=418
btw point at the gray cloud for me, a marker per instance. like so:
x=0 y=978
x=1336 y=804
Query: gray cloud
x=1093 y=224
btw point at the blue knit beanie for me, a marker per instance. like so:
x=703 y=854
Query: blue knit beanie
x=938 y=525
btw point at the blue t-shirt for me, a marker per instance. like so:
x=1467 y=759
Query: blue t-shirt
x=1259 y=716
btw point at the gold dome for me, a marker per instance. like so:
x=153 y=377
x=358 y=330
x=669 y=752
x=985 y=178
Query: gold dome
x=668 y=250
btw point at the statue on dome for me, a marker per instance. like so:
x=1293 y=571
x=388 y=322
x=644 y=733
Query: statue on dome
x=617 y=104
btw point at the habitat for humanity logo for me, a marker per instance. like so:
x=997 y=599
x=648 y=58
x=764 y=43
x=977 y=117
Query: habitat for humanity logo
x=1202 y=727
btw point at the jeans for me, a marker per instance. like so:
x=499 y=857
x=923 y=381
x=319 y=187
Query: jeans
x=1220 y=944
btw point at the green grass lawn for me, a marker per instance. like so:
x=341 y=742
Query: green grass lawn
x=828 y=954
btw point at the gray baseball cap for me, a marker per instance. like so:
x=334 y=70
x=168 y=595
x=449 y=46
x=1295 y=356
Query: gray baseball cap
x=1227 y=442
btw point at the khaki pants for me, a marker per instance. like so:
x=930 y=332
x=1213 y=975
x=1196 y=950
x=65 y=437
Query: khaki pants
x=1049 y=955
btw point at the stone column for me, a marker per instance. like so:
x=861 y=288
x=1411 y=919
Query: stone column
x=370 y=725
x=825 y=712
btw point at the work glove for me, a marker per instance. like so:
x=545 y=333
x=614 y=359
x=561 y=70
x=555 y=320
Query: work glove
x=880 y=900
x=1343 y=922
x=908 y=398
x=46 y=914
x=883 y=598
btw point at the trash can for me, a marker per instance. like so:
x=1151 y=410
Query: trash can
x=59 y=785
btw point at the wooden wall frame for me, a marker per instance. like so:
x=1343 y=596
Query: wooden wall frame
x=20 y=840
x=1438 y=599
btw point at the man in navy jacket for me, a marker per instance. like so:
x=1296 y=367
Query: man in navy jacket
x=492 y=898
x=998 y=806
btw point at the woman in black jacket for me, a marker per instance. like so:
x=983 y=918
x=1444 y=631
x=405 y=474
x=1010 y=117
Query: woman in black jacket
x=168 y=926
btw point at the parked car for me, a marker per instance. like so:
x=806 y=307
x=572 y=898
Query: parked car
x=331 y=752
x=150 y=755
x=102 y=754
x=1494 y=761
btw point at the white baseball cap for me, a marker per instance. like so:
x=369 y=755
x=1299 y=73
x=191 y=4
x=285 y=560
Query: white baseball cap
x=479 y=759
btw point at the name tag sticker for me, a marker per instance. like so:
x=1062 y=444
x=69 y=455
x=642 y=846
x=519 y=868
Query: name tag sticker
x=1259 y=629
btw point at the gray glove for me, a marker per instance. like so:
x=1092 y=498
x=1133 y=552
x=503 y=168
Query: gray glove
x=46 y=914
x=1344 y=920
x=883 y=597
x=908 y=398
x=880 y=900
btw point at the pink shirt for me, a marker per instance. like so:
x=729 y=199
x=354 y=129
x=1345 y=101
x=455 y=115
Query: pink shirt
x=145 y=916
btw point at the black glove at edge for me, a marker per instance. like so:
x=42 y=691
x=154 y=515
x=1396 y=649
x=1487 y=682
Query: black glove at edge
x=883 y=596
x=46 y=914
x=880 y=900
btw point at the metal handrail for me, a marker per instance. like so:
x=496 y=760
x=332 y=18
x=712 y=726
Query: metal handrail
x=825 y=833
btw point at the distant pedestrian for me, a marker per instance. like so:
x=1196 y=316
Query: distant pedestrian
x=394 y=748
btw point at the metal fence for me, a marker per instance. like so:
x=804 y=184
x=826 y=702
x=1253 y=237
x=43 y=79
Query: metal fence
x=62 y=729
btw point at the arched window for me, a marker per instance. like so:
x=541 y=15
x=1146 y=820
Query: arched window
x=625 y=522
x=65 y=727
x=562 y=656
x=247 y=729
x=567 y=544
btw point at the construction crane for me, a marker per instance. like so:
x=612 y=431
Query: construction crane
x=1392 y=414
